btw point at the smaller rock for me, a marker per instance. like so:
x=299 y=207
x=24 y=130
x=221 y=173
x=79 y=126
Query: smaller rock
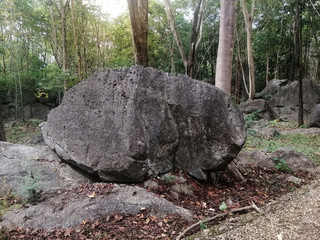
x=247 y=158
x=272 y=88
x=258 y=108
x=151 y=185
x=266 y=132
x=181 y=188
x=169 y=177
x=294 y=160
x=314 y=119
x=294 y=179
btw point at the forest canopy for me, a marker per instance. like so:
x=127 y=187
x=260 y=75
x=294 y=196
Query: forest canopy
x=47 y=46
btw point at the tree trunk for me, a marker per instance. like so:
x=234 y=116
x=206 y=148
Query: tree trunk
x=138 y=10
x=267 y=68
x=249 y=20
x=2 y=132
x=76 y=40
x=318 y=72
x=64 y=12
x=55 y=48
x=196 y=35
x=298 y=57
x=4 y=70
x=225 y=48
x=238 y=81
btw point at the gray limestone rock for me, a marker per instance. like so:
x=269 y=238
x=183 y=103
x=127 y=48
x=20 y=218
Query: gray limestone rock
x=34 y=167
x=128 y=125
x=63 y=211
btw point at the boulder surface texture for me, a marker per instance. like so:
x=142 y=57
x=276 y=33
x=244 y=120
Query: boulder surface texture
x=127 y=125
x=314 y=119
x=24 y=168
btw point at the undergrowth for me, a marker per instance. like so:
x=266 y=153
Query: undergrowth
x=21 y=131
x=307 y=144
x=9 y=202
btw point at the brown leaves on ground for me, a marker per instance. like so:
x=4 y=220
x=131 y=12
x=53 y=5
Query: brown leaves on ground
x=261 y=186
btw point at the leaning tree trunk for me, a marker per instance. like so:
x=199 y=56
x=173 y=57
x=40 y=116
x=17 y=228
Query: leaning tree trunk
x=225 y=48
x=196 y=34
x=138 y=10
x=2 y=132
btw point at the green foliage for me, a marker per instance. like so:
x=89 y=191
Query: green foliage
x=304 y=126
x=31 y=190
x=9 y=202
x=252 y=117
x=168 y=178
x=203 y=226
x=223 y=206
x=307 y=144
x=281 y=164
x=20 y=132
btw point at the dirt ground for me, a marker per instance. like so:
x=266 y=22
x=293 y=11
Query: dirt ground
x=294 y=216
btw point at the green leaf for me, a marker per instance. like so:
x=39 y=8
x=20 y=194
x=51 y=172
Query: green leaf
x=223 y=206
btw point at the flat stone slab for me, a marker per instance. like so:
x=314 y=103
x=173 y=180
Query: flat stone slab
x=66 y=210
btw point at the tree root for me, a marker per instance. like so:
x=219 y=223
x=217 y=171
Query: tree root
x=252 y=206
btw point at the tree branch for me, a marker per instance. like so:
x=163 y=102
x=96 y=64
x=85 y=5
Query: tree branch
x=314 y=7
x=252 y=206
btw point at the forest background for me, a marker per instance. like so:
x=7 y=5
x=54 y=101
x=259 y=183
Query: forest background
x=48 y=46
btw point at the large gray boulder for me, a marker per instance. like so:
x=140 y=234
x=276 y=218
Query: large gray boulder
x=127 y=125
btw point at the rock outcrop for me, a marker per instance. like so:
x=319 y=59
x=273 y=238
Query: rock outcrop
x=260 y=108
x=68 y=210
x=24 y=169
x=283 y=98
x=295 y=161
x=128 y=125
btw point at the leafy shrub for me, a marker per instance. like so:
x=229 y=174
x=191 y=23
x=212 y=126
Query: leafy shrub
x=281 y=164
x=252 y=117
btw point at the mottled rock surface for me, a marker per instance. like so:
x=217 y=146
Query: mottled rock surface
x=24 y=168
x=128 y=125
x=65 y=211
x=314 y=119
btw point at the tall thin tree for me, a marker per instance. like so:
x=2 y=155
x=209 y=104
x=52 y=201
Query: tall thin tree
x=298 y=57
x=249 y=21
x=225 y=47
x=76 y=38
x=138 y=10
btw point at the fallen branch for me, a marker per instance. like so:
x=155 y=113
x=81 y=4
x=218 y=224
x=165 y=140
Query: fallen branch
x=233 y=168
x=252 y=206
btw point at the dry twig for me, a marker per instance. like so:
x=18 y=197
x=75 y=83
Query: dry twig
x=252 y=206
